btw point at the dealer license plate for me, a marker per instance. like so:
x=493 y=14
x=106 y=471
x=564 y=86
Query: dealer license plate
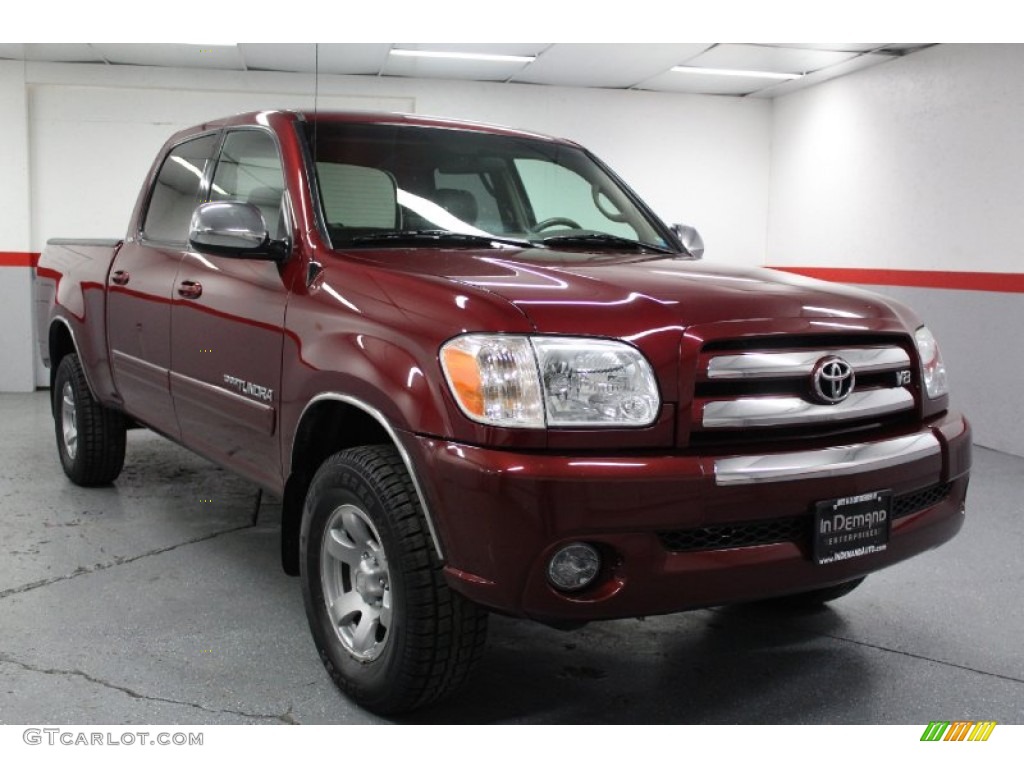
x=852 y=526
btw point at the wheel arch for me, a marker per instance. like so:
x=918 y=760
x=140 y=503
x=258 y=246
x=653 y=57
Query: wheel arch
x=61 y=342
x=331 y=422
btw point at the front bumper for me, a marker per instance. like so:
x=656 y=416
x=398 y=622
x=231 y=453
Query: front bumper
x=500 y=516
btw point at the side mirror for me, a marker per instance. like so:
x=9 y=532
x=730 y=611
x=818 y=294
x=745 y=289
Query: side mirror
x=233 y=229
x=690 y=239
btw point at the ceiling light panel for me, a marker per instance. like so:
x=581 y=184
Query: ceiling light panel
x=506 y=49
x=689 y=70
x=766 y=58
x=605 y=65
x=462 y=56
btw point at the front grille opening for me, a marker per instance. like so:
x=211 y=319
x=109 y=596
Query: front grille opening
x=796 y=530
x=909 y=503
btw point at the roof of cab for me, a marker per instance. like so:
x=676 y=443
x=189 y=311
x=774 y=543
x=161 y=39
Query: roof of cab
x=383 y=118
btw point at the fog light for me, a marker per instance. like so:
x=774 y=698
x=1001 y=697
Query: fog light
x=574 y=566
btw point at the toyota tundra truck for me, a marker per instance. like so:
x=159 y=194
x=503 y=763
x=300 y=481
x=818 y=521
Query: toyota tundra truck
x=483 y=376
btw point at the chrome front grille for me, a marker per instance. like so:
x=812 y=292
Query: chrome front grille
x=768 y=365
x=791 y=411
x=750 y=392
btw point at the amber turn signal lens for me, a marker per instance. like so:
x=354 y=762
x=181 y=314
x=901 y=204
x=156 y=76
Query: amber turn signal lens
x=464 y=375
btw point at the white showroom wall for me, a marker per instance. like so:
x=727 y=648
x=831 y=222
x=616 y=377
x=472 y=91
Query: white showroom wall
x=94 y=130
x=698 y=159
x=906 y=177
x=16 y=333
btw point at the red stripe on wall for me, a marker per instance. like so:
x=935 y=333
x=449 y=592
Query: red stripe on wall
x=18 y=259
x=999 y=282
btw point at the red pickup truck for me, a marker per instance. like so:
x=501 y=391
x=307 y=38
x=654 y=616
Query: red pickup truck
x=483 y=376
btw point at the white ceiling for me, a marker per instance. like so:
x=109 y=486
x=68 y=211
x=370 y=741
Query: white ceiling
x=636 y=66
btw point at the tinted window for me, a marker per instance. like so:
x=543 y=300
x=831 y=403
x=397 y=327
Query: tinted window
x=378 y=179
x=557 y=192
x=249 y=171
x=176 y=192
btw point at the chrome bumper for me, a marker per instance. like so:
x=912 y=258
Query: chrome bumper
x=827 y=462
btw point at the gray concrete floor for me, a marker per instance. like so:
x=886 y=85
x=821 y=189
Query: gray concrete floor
x=158 y=600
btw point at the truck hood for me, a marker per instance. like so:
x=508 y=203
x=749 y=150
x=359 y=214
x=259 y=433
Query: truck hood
x=624 y=294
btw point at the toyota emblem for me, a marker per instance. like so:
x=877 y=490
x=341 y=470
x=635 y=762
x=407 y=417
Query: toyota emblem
x=832 y=380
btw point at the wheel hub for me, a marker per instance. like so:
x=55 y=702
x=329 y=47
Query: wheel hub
x=370 y=581
x=356 y=583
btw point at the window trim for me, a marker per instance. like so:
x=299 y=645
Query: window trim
x=207 y=183
x=201 y=193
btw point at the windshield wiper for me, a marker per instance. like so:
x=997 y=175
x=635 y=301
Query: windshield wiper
x=604 y=240
x=417 y=236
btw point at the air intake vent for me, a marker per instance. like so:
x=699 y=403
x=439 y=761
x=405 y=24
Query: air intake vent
x=796 y=530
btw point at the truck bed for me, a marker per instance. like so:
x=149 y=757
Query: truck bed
x=71 y=282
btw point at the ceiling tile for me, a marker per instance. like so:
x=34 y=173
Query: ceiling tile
x=855 y=47
x=171 y=55
x=771 y=90
x=334 y=58
x=605 y=65
x=279 y=57
x=353 y=58
x=67 y=52
x=717 y=85
x=765 y=58
x=451 y=69
x=72 y=52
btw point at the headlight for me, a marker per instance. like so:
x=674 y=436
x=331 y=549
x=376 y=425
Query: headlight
x=931 y=362
x=533 y=381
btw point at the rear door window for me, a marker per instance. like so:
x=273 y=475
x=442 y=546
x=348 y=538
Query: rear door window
x=176 y=191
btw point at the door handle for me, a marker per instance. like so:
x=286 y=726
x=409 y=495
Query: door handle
x=190 y=289
x=120 y=277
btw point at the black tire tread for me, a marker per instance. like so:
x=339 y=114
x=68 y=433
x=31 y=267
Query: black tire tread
x=101 y=430
x=452 y=630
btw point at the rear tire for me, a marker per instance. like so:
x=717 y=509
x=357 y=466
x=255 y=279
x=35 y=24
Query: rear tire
x=90 y=436
x=391 y=633
x=815 y=598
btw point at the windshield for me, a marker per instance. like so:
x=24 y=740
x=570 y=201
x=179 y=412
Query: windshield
x=385 y=185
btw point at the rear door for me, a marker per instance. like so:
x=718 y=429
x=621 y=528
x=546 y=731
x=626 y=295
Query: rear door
x=227 y=321
x=141 y=283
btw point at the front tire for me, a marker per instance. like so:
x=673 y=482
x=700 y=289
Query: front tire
x=389 y=630
x=90 y=436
